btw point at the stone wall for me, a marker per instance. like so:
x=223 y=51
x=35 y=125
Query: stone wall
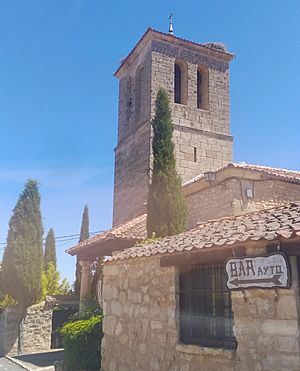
x=132 y=176
x=267 y=326
x=202 y=137
x=141 y=330
x=25 y=332
x=229 y=198
x=198 y=151
x=205 y=131
x=36 y=329
x=217 y=118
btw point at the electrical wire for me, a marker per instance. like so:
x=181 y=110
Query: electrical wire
x=61 y=240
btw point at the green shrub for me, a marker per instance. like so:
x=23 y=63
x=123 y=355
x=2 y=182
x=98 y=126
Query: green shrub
x=6 y=301
x=82 y=342
x=89 y=308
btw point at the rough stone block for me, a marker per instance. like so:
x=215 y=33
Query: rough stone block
x=109 y=325
x=280 y=327
x=288 y=344
x=287 y=307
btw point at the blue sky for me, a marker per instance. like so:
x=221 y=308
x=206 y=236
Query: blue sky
x=58 y=96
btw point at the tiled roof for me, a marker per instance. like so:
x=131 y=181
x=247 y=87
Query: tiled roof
x=284 y=174
x=281 y=222
x=134 y=229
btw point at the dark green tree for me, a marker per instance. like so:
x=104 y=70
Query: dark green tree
x=166 y=205
x=23 y=257
x=84 y=235
x=50 y=250
x=85 y=225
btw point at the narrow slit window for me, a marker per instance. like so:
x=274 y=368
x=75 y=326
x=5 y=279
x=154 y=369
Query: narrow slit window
x=177 y=84
x=138 y=89
x=195 y=154
x=199 y=90
x=128 y=101
x=202 y=88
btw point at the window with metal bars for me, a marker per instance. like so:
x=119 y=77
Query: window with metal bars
x=206 y=317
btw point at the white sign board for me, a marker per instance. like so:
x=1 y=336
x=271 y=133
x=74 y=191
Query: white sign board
x=260 y=271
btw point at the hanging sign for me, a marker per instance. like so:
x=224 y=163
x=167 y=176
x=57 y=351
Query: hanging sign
x=260 y=271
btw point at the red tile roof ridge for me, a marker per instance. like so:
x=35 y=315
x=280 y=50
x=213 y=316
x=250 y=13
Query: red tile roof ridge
x=118 y=231
x=277 y=223
x=264 y=167
x=230 y=217
x=278 y=172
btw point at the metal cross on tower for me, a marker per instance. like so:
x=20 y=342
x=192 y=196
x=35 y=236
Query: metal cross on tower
x=171 y=30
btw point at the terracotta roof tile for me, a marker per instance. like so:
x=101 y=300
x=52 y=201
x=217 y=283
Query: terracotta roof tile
x=135 y=229
x=284 y=174
x=271 y=224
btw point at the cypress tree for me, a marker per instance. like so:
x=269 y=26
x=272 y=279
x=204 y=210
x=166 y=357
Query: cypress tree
x=85 y=225
x=166 y=208
x=84 y=235
x=23 y=257
x=50 y=250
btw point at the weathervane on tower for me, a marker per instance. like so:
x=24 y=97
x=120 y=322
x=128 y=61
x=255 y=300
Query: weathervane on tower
x=171 y=31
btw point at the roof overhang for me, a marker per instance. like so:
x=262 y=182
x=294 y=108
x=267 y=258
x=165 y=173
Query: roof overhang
x=104 y=248
x=240 y=171
x=152 y=34
x=219 y=254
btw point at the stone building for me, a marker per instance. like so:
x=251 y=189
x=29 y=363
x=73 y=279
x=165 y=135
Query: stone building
x=167 y=304
x=196 y=77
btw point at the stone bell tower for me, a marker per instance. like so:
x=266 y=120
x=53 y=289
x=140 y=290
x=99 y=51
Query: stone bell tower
x=196 y=76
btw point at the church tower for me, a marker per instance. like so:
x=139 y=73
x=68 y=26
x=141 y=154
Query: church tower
x=196 y=76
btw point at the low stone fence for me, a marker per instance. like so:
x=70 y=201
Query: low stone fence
x=26 y=331
x=36 y=329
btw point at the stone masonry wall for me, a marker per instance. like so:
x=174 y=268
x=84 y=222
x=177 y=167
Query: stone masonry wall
x=134 y=97
x=36 y=329
x=267 y=327
x=132 y=154
x=217 y=118
x=212 y=152
x=141 y=328
x=132 y=176
x=205 y=131
x=229 y=198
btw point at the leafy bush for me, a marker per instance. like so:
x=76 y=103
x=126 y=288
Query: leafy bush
x=89 y=308
x=6 y=301
x=82 y=342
